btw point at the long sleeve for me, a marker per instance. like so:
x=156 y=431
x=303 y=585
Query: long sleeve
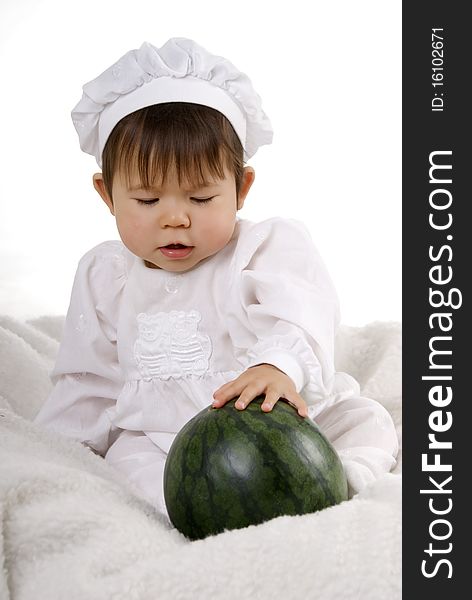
x=87 y=377
x=285 y=308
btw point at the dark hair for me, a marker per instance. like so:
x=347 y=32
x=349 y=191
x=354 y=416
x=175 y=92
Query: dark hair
x=195 y=139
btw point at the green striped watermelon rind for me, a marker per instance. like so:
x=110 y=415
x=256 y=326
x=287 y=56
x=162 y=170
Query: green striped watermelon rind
x=200 y=500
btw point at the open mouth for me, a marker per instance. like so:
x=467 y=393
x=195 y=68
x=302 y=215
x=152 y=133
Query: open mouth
x=176 y=250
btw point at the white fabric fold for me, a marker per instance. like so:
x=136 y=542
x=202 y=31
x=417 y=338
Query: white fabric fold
x=87 y=374
x=284 y=311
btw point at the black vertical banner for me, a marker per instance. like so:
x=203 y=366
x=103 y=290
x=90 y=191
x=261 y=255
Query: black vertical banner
x=437 y=267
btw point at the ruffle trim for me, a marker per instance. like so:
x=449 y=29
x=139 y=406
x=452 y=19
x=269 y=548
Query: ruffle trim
x=164 y=405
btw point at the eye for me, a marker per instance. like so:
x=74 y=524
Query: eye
x=149 y=202
x=202 y=200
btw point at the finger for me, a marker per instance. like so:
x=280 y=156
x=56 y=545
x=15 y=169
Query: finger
x=250 y=392
x=272 y=397
x=218 y=403
x=221 y=400
x=221 y=391
x=228 y=391
x=228 y=384
x=297 y=402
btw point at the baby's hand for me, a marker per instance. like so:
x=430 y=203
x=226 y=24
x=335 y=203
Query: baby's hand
x=262 y=379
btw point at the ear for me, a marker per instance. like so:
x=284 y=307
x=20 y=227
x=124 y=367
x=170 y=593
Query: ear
x=99 y=185
x=248 y=178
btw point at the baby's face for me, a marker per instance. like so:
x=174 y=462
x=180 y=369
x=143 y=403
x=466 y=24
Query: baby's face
x=174 y=228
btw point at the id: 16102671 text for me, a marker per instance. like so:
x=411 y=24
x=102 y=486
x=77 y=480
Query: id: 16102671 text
x=437 y=66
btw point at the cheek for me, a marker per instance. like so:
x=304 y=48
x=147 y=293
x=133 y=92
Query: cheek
x=131 y=228
x=218 y=228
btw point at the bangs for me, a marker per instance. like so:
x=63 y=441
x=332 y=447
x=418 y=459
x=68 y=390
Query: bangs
x=192 y=141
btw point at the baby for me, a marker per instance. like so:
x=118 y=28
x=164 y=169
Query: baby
x=194 y=305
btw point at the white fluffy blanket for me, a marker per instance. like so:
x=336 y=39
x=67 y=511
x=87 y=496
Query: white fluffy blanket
x=71 y=528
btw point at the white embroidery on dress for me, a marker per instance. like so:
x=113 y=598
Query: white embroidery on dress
x=170 y=345
x=81 y=323
x=172 y=284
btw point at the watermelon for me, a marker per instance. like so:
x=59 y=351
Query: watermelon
x=230 y=468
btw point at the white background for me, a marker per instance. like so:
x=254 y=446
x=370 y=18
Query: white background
x=328 y=73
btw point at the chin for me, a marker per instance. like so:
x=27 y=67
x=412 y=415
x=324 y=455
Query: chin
x=178 y=267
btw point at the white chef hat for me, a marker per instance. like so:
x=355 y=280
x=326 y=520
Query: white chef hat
x=180 y=71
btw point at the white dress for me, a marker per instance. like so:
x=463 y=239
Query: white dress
x=144 y=349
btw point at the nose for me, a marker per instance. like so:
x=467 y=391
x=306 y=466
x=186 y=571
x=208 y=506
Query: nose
x=173 y=214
